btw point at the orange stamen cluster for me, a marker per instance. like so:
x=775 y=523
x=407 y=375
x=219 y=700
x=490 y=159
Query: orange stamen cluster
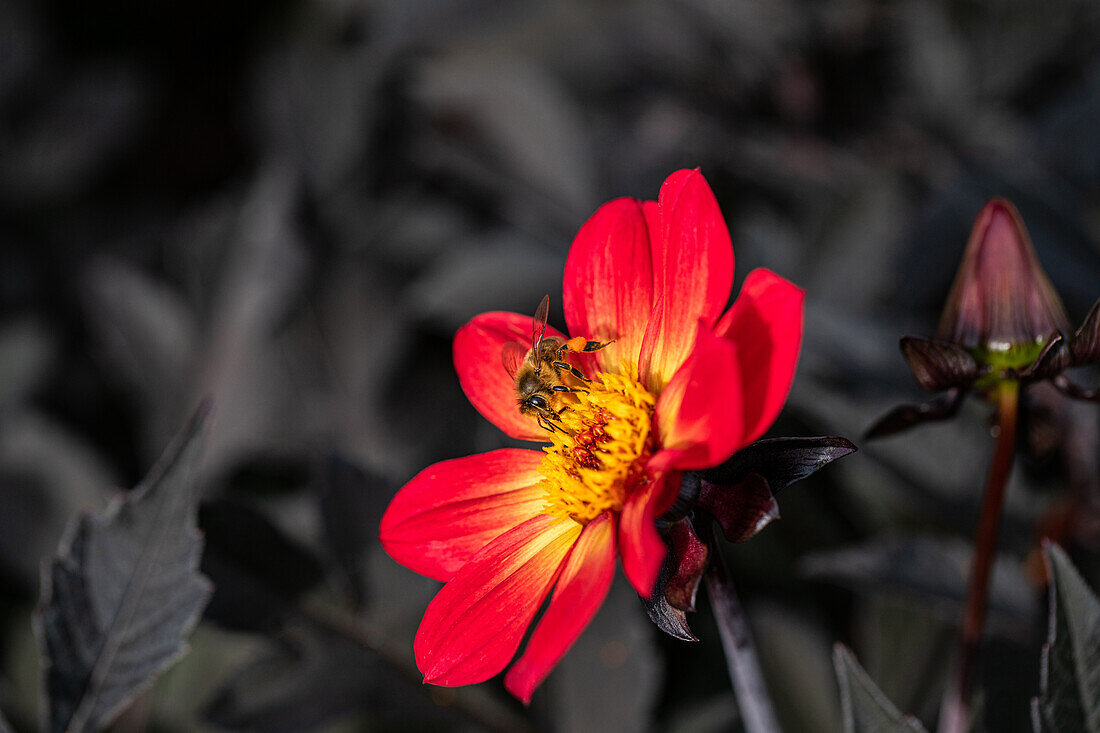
x=598 y=458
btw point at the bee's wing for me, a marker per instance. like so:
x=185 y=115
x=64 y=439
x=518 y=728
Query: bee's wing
x=512 y=356
x=538 y=326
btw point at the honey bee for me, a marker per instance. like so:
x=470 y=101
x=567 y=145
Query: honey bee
x=543 y=377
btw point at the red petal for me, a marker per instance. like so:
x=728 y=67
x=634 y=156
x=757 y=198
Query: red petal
x=765 y=323
x=641 y=547
x=652 y=211
x=699 y=413
x=473 y=626
x=581 y=589
x=609 y=282
x=477 y=352
x=449 y=511
x=692 y=273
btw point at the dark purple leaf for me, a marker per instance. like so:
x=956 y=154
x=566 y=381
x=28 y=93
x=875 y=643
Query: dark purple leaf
x=678 y=581
x=351 y=508
x=256 y=569
x=1052 y=360
x=670 y=620
x=123 y=593
x=742 y=509
x=928 y=570
x=691 y=555
x=1086 y=342
x=907 y=416
x=781 y=461
x=1076 y=392
x=306 y=681
x=938 y=365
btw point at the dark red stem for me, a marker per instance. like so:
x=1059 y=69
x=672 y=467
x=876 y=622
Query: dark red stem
x=955 y=710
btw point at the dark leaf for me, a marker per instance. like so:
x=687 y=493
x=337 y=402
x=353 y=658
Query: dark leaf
x=145 y=337
x=123 y=593
x=312 y=107
x=678 y=581
x=536 y=148
x=938 y=365
x=351 y=508
x=47 y=156
x=739 y=493
x=742 y=509
x=611 y=679
x=256 y=569
x=47 y=476
x=930 y=570
x=866 y=709
x=304 y=682
x=1069 y=700
x=891 y=630
x=668 y=619
x=908 y=416
x=691 y=555
x=1086 y=342
x=1052 y=360
x=27 y=349
x=781 y=461
x=1076 y=392
x=483 y=274
x=795 y=649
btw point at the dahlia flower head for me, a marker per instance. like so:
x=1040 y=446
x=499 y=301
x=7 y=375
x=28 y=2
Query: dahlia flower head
x=683 y=384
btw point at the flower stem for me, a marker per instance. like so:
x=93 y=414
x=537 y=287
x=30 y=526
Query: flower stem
x=744 y=667
x=954 y=712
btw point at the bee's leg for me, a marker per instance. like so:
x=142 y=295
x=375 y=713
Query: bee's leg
x=564 y=367
x=545 y=424
x=583 y=345
x=596 y=345
x=563 y=388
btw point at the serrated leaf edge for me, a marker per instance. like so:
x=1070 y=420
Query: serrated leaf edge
x=171 y=457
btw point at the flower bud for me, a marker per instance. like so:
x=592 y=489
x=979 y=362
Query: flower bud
x=1001 y=306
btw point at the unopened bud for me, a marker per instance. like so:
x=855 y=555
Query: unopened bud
x=1002 y=306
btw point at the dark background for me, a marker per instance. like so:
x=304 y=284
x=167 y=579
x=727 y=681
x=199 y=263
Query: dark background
x=292 y=206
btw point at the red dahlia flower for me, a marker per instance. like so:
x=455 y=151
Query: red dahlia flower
x=682 y=387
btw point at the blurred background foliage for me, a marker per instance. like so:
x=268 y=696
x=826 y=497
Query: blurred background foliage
x=293 y=205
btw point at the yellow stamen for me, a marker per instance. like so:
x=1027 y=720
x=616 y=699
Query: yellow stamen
x=599 y=459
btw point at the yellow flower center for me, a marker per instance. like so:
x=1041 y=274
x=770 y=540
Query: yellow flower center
x=598 y=457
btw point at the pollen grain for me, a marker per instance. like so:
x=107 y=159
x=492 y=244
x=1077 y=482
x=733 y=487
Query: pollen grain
x=598 y=457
